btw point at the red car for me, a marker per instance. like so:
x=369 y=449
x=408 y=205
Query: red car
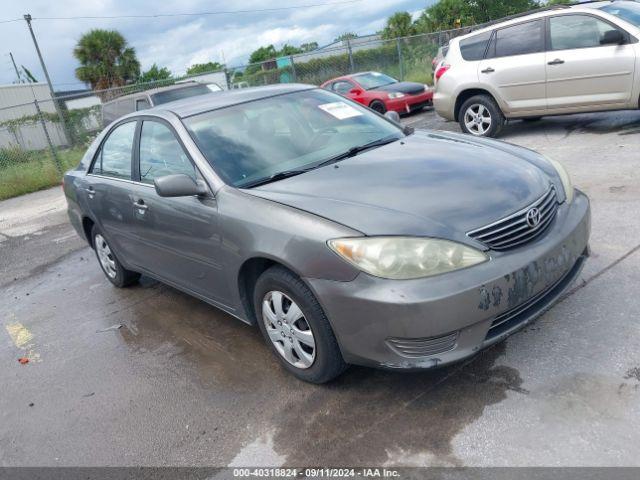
x=382 y=92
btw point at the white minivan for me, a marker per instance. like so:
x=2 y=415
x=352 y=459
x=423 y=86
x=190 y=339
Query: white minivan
x=564 y=59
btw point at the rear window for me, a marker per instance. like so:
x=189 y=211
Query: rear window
x=180 y=93
x=473 y=48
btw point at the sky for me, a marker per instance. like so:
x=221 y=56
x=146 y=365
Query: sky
x=177 y=42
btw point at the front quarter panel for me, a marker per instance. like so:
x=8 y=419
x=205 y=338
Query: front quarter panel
x=254 y=227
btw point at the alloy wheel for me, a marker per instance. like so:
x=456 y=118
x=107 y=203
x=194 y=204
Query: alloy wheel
x=477 y=119
x=105 y=256
x=288 y=330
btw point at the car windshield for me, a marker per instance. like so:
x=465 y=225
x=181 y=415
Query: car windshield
x=255 y=141
x=629 y=11
x=184 y=92
x=372 y=80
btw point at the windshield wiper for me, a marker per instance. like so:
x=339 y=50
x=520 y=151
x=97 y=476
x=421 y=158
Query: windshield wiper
x=353 y=151
x=274 y=178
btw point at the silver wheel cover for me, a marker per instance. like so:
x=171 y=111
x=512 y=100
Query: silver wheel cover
x=288 y=330
x=107 y=260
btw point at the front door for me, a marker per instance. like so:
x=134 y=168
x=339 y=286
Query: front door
x=514 y=67
x=178 y=238
x=581 y=71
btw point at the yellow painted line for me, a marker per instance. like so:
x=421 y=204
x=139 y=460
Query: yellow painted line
x=22 y=338
x=20 y=335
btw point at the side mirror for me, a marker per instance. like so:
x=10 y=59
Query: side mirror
x=355 y=91
x=393 y=116
x=612 y=37
x=179 y=185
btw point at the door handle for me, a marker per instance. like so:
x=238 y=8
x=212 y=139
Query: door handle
x=487 y=70
x=557 y=61
x=140 y=206
x=90 y=191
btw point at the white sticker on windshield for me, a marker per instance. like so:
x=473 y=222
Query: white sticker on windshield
x=340 y=110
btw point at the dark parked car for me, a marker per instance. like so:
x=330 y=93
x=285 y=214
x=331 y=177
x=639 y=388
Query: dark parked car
x=346 y=238
x=135 y=102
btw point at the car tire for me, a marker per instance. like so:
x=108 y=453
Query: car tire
x=480 y=116
x=109 y=263
x=378 y=106
x=289 y=335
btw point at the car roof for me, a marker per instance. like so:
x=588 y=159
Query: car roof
x=151 y=91
x=187 y=107
x=541 y=13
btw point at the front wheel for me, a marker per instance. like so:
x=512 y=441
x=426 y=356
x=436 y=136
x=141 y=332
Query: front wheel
x=378 y=106
x=480 y=116
x=296 y=328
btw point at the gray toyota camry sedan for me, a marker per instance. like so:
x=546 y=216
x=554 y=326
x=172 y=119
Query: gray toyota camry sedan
x=346 y=238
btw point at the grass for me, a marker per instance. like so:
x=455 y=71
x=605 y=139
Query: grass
x=25 y=172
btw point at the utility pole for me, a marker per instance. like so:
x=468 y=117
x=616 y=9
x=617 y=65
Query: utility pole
x=27 y=18
x=15 y=68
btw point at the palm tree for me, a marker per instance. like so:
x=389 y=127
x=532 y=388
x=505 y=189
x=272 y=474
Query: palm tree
x=105 y=60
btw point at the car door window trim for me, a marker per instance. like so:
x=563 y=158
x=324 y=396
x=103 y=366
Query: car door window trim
x=104 y=140
x=628 y=37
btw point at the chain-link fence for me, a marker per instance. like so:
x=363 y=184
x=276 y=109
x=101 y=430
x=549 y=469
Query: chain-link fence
x=41 y=137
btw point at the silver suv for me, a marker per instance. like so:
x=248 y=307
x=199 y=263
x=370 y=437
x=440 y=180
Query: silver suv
x=564 y=59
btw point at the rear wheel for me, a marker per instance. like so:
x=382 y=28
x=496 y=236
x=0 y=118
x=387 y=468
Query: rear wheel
x=295 y=326
x=112 y=268
x=480 y=116
x=378 y=106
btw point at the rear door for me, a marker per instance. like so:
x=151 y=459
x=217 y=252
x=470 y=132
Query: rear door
x=108 y=187
x=582 y=72
x=178 y=239
x=514 y=67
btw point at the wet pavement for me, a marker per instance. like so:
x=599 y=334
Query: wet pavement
x=150 y=376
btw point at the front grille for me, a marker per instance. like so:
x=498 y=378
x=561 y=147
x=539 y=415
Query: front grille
x=423 y=347
x=515 y=230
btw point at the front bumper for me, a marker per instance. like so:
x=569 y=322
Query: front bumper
x=429 y=322
x=410 y=103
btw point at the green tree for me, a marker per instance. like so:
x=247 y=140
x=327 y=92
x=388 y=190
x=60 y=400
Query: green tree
x=346 y=36
x=307 y=47
x=208 y=67
x=106 y=60
x=287 y=50
x=399 y=24
x=486 y=10
x=263 y=54
x=155 y=74
x=444 y=15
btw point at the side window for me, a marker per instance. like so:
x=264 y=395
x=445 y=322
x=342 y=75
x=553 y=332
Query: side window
x=519 y=39
x=473 y=48
x=114 y=158
x=576 y=31
x=142 y=104
x=161 y=153
x=342 y=87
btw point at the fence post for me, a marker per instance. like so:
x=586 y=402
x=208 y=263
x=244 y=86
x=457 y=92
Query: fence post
x=399 y=46
x=294 y=77
x=54 y=154
x=351 y=66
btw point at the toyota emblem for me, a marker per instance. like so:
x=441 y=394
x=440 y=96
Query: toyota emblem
x=533 y=217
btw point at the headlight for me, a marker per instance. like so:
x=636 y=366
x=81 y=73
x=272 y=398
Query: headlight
x=403 y=258
x=396 y=95
x=564 y=178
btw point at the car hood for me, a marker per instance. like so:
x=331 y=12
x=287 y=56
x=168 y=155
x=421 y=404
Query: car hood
x=410 y=88
x=427 y=184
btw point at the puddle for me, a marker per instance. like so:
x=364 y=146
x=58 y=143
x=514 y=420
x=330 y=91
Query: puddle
x=367 y=415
